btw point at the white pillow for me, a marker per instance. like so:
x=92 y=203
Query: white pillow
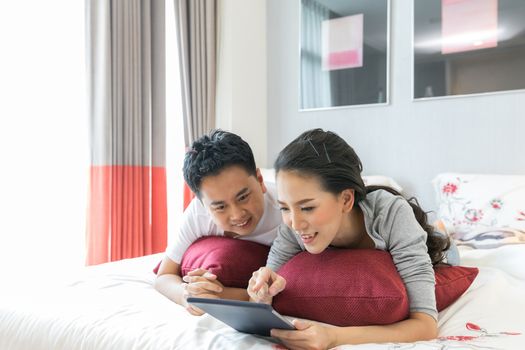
x=369 y=180
x=483 y=211
x=380 y=180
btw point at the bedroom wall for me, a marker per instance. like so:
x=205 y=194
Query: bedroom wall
x=409 y=141
x=241 y=72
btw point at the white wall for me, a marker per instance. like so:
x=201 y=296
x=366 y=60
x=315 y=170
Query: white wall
x=241 y=73
x=410 y=141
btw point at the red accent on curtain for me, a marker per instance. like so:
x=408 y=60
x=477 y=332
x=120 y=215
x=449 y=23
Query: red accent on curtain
x=188 y=195
x=127 y=216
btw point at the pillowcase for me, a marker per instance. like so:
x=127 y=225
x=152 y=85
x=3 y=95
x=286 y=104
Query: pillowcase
x=451 y=283
x=357 y=287
x=343 y=287
x=380 y=180
x=483 y=211
x=232 y=260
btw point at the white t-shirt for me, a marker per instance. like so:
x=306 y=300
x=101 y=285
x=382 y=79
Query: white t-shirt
x=197 y=222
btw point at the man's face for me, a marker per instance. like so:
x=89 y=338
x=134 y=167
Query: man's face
x=234 y=199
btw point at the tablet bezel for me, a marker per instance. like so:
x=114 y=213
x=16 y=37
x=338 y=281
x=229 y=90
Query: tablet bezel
x=244 y=316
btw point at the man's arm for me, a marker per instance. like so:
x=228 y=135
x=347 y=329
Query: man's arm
x=198 y=283
x=169 y=282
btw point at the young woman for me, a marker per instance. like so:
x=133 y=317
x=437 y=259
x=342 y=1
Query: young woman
x=324 y=202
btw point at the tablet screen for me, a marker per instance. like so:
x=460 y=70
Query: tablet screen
x=244 y=316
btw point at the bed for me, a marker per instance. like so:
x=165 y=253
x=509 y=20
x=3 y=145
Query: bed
x=114 y=306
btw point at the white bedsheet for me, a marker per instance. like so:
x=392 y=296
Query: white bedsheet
x=113 y=306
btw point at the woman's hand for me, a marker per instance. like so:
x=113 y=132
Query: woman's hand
x=203 y=284
x=264 y=285
x=313 y=335
x=309 y=335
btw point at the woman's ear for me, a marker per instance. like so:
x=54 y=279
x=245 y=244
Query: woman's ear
x=348 y=197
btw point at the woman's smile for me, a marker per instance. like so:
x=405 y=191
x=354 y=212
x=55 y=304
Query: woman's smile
x=308 y=238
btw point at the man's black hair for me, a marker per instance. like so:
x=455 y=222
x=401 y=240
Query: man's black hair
x=212 y=153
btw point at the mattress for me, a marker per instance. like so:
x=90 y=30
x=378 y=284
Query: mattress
x=114 y=306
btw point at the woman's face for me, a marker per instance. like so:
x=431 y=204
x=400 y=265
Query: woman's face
x=317 y=216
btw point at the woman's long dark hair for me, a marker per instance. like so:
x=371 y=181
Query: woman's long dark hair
x=326 y=156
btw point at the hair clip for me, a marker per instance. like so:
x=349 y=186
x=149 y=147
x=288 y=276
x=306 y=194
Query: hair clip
x=326 y=152
x=311 y=144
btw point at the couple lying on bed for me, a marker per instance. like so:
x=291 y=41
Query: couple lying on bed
x=320 y=201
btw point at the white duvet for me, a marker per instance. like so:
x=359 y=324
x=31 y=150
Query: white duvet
x=113 y=306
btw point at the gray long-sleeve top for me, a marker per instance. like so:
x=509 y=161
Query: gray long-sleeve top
x=390 y=222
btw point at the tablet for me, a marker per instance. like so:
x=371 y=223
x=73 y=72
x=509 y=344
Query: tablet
x=244 y=316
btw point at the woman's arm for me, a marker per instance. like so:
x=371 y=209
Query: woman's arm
x=311 y=335
x=419 y=326
x=265 y=283
x=284 y=247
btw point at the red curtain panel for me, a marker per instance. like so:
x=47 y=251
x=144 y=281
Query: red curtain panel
x=127 y=209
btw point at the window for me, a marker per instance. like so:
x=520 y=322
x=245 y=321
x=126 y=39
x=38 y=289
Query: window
x=43 y=137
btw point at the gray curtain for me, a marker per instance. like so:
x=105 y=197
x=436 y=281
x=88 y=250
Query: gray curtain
x=126 y=76
x=315 y=83
x=127 y=112
x=196 y=31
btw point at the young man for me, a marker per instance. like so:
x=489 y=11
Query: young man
x=232 y=200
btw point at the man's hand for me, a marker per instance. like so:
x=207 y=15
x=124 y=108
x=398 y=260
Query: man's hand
x=203 y=284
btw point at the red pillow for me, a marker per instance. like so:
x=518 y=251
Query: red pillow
x=343 y=287
x=451 y=283
x=232 y=260
x=357 y=287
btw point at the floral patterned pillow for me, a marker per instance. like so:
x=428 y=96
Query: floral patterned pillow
x=482 y=211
